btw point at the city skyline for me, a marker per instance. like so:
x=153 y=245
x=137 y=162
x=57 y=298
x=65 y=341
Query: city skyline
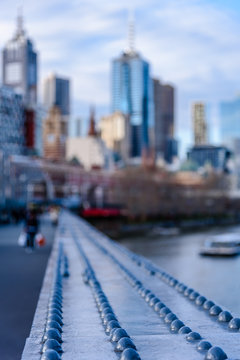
x=198 y=53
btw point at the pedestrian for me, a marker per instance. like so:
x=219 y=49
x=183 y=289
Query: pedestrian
x=31 y=228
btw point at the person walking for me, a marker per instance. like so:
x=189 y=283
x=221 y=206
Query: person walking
x=31 y=228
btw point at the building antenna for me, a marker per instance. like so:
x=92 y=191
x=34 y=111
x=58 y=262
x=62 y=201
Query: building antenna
x=20 y=30
x=131 y=31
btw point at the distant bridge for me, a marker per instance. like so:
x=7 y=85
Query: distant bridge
x=100 y=301
x=24 y=179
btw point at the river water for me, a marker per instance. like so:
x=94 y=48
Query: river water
x=216 y=278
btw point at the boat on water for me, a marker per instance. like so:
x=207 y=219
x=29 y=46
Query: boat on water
x=222 y=245
x=164 y=231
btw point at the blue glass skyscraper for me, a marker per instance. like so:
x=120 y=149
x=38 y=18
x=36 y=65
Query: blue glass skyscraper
x=132 y=94
x=230 y=120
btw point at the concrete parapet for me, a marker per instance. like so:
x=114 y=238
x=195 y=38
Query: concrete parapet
x=101 y=301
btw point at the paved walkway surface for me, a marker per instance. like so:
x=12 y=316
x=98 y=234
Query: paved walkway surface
x=21 y=277
x=98 y=265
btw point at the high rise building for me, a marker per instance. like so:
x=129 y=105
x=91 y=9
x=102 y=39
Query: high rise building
x=11 y=122
x=199 y=123
x=19 y=65
x=54 y=135
x=229 y=120
x=115 y=132
x=132 y=94
x=164 y=120
x=78 y=127
x=57 y=92
x=229 y=131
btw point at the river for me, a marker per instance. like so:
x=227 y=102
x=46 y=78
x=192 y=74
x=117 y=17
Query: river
x=216 y=278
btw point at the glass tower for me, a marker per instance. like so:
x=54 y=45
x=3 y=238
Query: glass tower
x=57 y=92
x=229 y=120
x=164 y=95
x=132 y=94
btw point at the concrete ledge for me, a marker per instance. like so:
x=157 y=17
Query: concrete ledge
x=33 y=343
x=104 y=274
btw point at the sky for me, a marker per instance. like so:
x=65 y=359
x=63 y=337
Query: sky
x=191 y=44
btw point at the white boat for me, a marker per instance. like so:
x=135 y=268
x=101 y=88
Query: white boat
x=164 y=231
x=222 y=245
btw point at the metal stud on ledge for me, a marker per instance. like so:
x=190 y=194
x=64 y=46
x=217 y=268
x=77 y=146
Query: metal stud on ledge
x=149 y=297
x=50 y=355
x=188 y=291
x=204 y=346
x=53 y=325
x=225 y=316
x=193 y=336
x=112 y=325
x=200 y=300
x=169 y=318
x=176 y=325
x=159 y=306
x=234 y=324
x=130 y=354
x=118 y=334
x=164 y=311
x=125 y=343
x=52 y=334
x=184 y=330
x=109 y=318
x=215 y=310
x=208 y=304
x=193 y=296
x=52 y=344
x=215 y=353
x=153 y=301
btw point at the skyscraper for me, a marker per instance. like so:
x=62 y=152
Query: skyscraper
x=55 y=135
x=229 y=120
x=20 y=65
x=57 y=92
x=132 y=94
x=199 y=123
x=164 y=119
x=114 y=130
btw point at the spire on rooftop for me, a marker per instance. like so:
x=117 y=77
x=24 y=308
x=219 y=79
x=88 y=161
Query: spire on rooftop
x=92 y=125
x=131 y=31
x=130 y=48
x=20 y=29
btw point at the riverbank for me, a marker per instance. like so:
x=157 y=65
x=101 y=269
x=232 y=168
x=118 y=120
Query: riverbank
x=119 y=228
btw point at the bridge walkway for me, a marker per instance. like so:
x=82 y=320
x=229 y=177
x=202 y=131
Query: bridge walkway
x=136 y=290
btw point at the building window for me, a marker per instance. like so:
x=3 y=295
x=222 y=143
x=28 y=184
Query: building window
x=51 y=138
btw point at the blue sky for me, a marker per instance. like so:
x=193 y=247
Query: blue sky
x=193 y=44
